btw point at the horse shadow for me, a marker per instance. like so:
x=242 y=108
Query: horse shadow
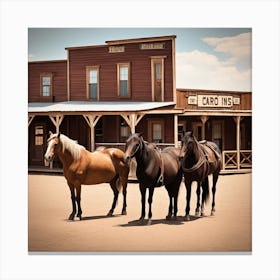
x=172 y=222
x=88 y=218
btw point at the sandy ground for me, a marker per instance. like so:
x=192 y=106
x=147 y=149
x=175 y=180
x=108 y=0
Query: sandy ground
x=50 y=205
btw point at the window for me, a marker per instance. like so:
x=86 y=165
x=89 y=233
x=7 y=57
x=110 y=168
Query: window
x=124 y=80
x=217 y=133
x=93 y=82
x=39 y=134
x=125 y=130
x=156 y=131
x=46 y=85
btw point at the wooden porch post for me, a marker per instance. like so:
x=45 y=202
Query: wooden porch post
x=57 y=120
x=203 y=119
x=132 y=120
x=237 y=121
x=30 y=119
x=176 y=130
x=92 y=121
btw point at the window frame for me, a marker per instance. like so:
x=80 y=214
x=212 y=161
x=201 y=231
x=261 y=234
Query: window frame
x=88 y=69
x=49 y=75
x=119 y=65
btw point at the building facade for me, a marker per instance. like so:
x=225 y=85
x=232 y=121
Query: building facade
x=100 y=94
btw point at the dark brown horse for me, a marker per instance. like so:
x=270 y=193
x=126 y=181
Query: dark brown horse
x=155 y=168
x=83 y=167
x=199 y=159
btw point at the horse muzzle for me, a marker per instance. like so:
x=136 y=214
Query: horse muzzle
x=47 y=160
x=127 y=159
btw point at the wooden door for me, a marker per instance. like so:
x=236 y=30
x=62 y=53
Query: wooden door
x=37 y=144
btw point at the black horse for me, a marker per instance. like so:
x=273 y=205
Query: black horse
x=199 y=159
x=155 y=168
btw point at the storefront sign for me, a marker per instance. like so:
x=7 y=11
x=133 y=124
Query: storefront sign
x=225 y=101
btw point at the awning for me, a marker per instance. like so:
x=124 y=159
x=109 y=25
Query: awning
x=87 y=106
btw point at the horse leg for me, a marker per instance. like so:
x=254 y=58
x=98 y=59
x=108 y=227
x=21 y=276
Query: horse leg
x=215 y=179
x=150 y=201
x=143 y=201
x=188 y=189
x=198 y=199
x=124 y=185
x=176 y=204
x=113 y=185
x=169 y=215
x=74 y=209
x=78 y=199
x=205 y=187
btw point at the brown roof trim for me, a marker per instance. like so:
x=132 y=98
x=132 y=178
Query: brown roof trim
x=210 y=90
x=85 y=47
x=47 y=61
x=141 y=40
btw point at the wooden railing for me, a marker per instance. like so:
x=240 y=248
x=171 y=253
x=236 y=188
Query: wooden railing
x=230 y=159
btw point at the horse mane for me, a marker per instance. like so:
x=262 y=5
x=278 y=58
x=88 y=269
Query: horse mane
x=72 y=146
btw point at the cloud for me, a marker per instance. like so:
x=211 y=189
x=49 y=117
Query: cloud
x=238 y=48
x=202 y=70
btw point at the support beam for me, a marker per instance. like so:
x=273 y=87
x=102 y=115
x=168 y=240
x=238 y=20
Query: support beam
x=203 y=119
x=237 y=121
x=57 y=120
x=92 y=121
x=30 y=119
x=176 y=131
x=132 y=120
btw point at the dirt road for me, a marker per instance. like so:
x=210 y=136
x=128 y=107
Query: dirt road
x=50 y=205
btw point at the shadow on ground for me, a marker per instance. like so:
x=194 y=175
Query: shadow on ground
x=179 y=221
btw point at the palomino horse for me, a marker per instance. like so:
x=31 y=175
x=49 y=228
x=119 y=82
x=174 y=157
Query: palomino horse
x=199 y=159
x=83 y=167
x=155 y=168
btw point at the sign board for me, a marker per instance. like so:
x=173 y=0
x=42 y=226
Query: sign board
x=152 y=46
x=213 y=101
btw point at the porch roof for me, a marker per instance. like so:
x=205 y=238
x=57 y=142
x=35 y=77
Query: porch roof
x=87 y=106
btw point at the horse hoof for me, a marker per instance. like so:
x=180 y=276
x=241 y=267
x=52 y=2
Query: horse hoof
x=71 y=217
x=203 y=215
x=168 y=217
x=110 y=214
x=212 y=213
x=149 y=222
x=175 y=218
x=187 y=218
x=124 y=212
x=197 y=213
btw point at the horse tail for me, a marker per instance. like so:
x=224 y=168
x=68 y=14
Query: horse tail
x=205 y=188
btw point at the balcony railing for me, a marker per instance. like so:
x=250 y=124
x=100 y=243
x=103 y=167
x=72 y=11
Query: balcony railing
x=230 y=159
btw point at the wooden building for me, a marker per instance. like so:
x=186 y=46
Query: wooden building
x=102 y=93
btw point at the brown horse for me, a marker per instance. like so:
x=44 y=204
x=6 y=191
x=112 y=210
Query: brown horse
x=83 y=167
x=155 y=168
x=199 y=159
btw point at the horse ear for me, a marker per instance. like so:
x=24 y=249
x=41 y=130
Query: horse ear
x=50 y=133
x=58 y=135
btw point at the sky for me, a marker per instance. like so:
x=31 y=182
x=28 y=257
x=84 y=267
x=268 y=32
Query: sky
x=206 y=58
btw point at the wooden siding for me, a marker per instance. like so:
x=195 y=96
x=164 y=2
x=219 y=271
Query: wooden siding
x=140 y=63
x=183 y=94
x=58 y=69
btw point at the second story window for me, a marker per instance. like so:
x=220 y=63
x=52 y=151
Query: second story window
x=123 y=80
x=46 y=85
x=93 y=82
